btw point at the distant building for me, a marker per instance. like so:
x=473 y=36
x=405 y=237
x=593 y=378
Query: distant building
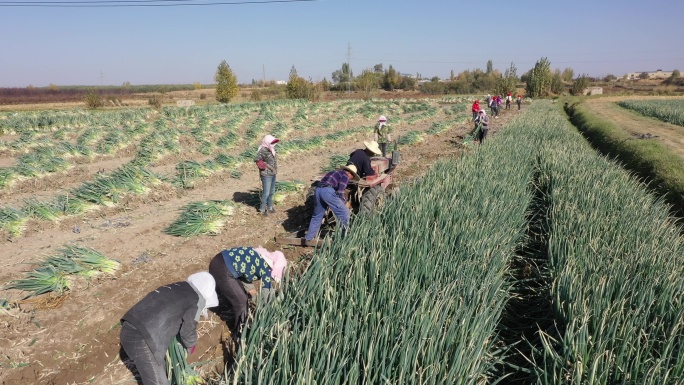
x=593 y=91
x=281 y=82
x=658 y=74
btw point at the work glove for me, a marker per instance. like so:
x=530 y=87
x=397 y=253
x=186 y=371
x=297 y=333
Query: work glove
x=191 y=350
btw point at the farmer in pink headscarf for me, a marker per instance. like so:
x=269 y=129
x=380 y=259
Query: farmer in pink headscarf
x=234 y=271
x=267 y=162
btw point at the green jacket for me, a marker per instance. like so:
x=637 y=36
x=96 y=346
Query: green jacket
x=382 y=132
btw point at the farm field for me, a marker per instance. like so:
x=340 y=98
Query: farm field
x=669 y=134
x=74 y=338
x=581 y=261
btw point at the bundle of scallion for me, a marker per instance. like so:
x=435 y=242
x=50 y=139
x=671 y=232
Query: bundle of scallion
x=178 y=371
x=205 y=217
x=40 y=281
x=90 y=259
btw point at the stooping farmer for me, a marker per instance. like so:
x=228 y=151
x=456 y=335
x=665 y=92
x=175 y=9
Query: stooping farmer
x=483 y=122
x=382 y=135
x=361 y=160
x=330 y=192
x=174 y=309
x=236 y=269
x=267 y=162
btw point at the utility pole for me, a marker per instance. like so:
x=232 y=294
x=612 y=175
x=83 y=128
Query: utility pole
x=263 y=67
x=349 y=64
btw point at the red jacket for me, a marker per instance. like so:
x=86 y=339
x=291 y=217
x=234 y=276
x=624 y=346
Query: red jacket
x=476 y=106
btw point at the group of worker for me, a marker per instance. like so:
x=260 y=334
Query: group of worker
x=174 y=309
x=480 y=118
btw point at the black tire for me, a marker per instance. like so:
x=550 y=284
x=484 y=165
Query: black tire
x=372 y=199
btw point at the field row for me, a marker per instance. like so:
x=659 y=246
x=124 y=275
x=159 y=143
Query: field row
x=422 y=292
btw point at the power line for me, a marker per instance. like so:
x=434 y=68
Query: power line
x=132 y=3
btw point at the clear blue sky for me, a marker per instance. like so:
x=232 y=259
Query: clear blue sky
x=185 y=44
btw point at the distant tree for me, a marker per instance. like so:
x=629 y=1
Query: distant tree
x=343 y=77
x=407 y=83
x=390 y=81
x=325 y=84
x=378 y=68
x=126 y=85
x=93 y=99
x=643 y=75
x=507 y=82
x=539 y=82
x=451 y=75
x=675 y=74
x=434 y=79
x=53 y=87
x=490 y=66
x=568 y=74
x=557 y=86
x=226 y=83
x=197 y=86
x=580 y=84
x=367 y=83
x=300 y=88
x=609 y=78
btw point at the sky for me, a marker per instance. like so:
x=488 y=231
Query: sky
x=184 y=44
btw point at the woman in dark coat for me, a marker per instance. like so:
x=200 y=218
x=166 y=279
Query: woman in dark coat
x=174 y=309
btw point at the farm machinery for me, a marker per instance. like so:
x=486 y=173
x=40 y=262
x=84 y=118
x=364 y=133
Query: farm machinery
x=366 y=196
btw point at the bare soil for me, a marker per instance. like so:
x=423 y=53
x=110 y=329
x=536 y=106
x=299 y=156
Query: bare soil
x=75 y=339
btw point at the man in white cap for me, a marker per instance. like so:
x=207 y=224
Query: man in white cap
x=331 y=193
x=361 y=158
x=382 y=134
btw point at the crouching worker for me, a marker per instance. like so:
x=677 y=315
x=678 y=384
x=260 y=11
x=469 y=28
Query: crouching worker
x=174 y=309
x=234 y=271
x=330 y=192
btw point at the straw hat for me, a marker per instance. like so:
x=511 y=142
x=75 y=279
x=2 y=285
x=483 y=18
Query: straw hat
x=352 y=169
x=373 y=147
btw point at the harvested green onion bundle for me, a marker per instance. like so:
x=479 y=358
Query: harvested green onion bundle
x=90 y=260
x=40 y=281
x=197 y=218
x=178 y=371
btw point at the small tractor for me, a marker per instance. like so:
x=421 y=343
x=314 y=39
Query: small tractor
x=365 y=197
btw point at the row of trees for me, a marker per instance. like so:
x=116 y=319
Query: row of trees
x=539 y=81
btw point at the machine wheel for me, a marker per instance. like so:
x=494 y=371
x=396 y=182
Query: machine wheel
x=372 y=199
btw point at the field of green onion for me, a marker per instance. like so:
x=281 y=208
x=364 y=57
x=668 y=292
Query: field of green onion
x=669 y=111
x=425 y=292
x=215 y=140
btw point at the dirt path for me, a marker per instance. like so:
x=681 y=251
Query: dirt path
x=636 y=124
x=75 y=340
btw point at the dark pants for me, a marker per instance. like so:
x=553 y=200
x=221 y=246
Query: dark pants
x=483 y=134
x=151 y=372
x=518 y=106
x=383 y=148
x=508 y=105
x=232 y=290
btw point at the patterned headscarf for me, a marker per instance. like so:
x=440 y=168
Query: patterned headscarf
x=269 y=142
